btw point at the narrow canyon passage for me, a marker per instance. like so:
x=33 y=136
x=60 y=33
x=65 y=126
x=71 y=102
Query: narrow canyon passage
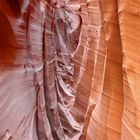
x=69 y=70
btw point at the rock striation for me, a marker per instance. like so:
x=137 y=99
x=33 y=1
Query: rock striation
x=69 y=70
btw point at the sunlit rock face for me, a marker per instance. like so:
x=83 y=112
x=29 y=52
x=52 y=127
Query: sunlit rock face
x=112 y=29
x=69 y=70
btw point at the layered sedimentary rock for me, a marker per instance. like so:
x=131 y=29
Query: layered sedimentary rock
x=113 y=110
x=69 y=70
x=38 y=40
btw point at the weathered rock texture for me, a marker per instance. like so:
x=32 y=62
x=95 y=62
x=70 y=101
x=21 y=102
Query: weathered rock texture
x=69 y=71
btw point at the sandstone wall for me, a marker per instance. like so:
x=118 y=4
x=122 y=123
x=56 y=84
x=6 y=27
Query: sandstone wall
x=69 y=71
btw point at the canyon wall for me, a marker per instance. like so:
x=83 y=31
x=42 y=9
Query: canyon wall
x=69 y=70
x=113 y=107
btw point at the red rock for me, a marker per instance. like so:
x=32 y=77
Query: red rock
x=69 y=70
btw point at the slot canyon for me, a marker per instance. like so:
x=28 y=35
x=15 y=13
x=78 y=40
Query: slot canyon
x=69 y=70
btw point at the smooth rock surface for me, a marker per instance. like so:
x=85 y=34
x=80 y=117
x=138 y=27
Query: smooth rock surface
x=69 y=70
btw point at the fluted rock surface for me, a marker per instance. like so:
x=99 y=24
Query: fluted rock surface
x=69 y=70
